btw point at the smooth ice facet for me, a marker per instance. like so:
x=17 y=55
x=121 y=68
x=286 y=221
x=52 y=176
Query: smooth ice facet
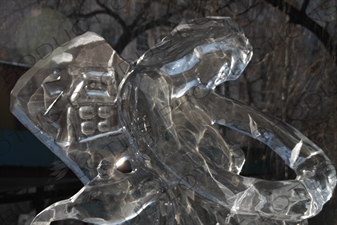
x=143 y=138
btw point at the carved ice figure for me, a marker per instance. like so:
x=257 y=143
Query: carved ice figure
x=142 y=136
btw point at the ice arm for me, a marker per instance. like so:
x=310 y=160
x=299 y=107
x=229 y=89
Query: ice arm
x=316 y=176
x=279 y=136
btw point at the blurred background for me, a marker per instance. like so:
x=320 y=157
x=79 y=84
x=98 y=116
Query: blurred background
x=292 y=76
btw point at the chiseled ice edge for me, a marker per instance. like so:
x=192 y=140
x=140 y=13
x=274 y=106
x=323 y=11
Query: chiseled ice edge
x=50 y=143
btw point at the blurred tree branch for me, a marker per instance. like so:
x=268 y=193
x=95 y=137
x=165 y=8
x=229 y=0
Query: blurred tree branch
x=305 y=5
x=300 y=17
x=139 y=24
x=113 y=15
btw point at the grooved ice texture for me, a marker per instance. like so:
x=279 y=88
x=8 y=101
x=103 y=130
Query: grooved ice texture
x=143 y=137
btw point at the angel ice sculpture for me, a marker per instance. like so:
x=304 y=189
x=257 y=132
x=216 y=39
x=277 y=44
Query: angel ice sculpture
x=142 y=136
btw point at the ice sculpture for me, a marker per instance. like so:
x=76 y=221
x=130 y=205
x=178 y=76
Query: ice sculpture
x=142 y=137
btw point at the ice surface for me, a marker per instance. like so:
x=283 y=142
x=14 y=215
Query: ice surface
x=143 y=137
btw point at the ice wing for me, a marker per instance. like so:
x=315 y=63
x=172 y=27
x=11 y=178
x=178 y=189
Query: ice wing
x=68 y=101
